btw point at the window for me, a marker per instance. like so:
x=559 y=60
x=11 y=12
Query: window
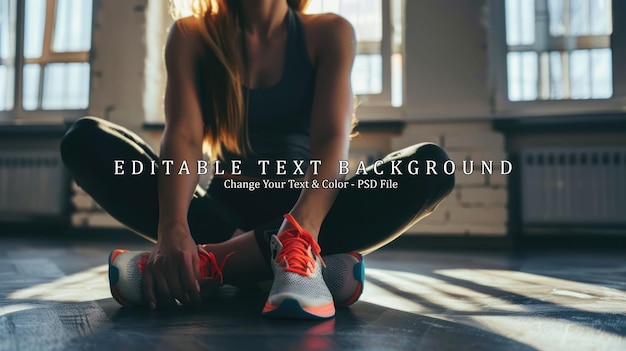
x=44 y=55
x=377 y=72
x=555 y=50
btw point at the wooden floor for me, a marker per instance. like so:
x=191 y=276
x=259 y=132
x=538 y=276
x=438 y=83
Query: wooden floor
x=54 y=296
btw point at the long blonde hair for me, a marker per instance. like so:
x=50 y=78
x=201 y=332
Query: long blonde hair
x=223 y=105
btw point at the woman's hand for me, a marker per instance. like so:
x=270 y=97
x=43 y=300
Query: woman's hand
x=172 y=271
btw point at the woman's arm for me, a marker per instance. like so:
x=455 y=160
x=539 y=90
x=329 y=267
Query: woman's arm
x=183 y=135
x=172 y=269
x=331 y=117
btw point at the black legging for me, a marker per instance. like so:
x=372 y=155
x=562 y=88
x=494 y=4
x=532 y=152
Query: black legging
x=359 y=220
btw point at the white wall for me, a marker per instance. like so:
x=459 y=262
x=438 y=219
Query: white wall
x=446 y=59
x=119 y=51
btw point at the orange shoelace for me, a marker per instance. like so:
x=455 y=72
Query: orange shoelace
x=209 y=268
x=296 y=255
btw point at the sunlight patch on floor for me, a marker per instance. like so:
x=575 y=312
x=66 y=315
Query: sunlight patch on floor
x=548 y=332
x=88 y=285
x=548 y=291
x=411 y=292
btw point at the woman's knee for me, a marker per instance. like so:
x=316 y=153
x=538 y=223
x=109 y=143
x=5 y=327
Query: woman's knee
x=443 y=180
x=421 y=151
x=83 y=127
x=77 y=137
x=429 y=156
x=89 y=135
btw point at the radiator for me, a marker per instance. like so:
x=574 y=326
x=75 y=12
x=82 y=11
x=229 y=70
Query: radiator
x=32 y=185
x=579 y=186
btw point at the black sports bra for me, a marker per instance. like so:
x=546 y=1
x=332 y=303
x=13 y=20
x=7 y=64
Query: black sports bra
x=279 y=117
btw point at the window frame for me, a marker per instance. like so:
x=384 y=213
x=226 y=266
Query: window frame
x=18 y=113
x=502 y=106
x=379 y=106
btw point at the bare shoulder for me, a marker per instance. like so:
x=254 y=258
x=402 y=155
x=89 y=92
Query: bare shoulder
x=186 y=26
x=328 y=32
x=184 y=38
x=327 y=22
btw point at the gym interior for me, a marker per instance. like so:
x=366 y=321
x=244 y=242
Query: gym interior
x=526 y=253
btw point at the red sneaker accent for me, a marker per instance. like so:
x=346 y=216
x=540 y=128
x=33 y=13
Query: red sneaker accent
x=142 y=260
x=116 y=253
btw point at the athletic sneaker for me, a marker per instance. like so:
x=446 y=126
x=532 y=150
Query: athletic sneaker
x=126 y=271
x=344 y=275
x=299 y=290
